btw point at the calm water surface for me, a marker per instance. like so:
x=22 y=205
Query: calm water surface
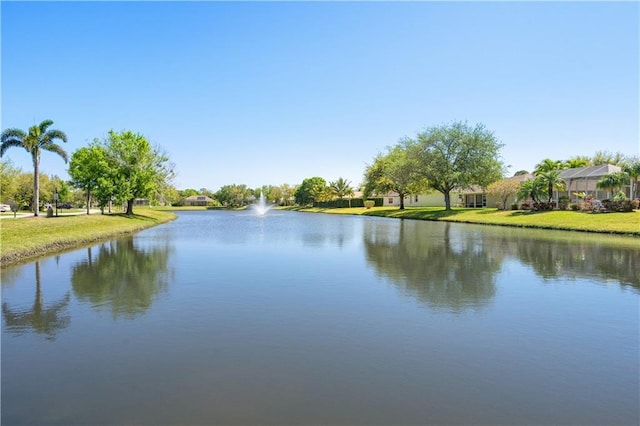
x=292 y=318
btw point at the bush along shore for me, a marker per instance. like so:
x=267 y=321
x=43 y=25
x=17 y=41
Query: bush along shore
x=25 y=239
x=627 y=223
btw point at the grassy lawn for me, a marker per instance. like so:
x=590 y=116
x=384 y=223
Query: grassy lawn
x=23 y=239
x=617 y=223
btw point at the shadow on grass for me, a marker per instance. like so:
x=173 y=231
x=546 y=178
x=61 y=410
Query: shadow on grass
x=416 y=213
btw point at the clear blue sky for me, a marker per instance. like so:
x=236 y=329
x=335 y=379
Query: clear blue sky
x=275 y=92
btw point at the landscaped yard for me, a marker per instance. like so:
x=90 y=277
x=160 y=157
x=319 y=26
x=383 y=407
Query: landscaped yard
x=619 y=223
x=25 y=238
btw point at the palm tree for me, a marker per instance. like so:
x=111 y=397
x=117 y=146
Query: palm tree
x=552 y=180
x=547 y=165
x=632 y=169
x=341 y=188
x=37 y=139
x=547 y=172
x=532 y=188
x=612 y=181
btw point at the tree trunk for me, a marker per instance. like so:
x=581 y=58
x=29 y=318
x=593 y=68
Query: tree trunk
x=36 y=185
x=88 y=200
x=130 y=207
x=447 y=200
x=401 y=201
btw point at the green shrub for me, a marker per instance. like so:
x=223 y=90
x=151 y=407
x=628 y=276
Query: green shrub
x=369 y=203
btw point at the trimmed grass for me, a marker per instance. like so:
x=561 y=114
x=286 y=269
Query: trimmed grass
x=23 y=239
x=614 y=223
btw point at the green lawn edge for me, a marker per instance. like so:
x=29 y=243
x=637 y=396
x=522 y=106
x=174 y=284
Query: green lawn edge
x=565 y=220
x=26 y=239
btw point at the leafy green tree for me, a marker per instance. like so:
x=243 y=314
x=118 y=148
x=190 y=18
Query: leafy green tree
x=397 y=170
x=310 y=190
x=457 y=156
x=8 y=180
x=286 y=194
x=89 y=168
x=138 y=167
x=234 y=195
x=39 y=138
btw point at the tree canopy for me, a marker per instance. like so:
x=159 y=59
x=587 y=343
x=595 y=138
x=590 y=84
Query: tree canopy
x=397 y=171
x=310 y=190
x=456 y=156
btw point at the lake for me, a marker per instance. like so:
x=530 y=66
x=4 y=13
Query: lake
x=294 y=318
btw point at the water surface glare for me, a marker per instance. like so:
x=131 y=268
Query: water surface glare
x=292 y=318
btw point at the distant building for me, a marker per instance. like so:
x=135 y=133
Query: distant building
x=583 y=179
x=197 y=200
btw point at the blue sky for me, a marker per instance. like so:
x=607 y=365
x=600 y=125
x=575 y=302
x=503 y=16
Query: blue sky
x=275 y=92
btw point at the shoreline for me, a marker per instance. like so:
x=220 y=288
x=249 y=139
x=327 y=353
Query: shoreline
x=620 y=224
x=25 y=239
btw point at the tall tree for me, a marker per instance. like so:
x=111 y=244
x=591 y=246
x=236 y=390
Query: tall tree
x=138 y=166
x=551 y=180
x=39 y=138
x=395 y=171
x=457 y=156
x=310 y=190
x=88 y=169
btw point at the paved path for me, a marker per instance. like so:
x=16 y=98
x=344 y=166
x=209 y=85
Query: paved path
x=23 y=214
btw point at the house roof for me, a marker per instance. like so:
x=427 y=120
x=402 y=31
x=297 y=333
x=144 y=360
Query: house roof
x=198 y=198
x=589 y=172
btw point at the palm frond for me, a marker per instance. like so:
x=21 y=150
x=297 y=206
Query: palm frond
x=55 y=134
x=44 y=125
x=58 y=150
x=10 y=134
x=10 y=144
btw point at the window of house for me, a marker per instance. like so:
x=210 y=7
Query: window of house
x=416 y=199
x=390 y=200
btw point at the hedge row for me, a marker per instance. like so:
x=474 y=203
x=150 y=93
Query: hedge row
x=355 y=202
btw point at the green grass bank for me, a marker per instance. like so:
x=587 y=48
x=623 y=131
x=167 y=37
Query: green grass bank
x=24 y=239
x=610 y=223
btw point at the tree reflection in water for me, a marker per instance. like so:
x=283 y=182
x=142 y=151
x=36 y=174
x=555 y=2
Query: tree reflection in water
x=47 y=320
x=603 y=262
x=441 y=267
x=122 y=278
